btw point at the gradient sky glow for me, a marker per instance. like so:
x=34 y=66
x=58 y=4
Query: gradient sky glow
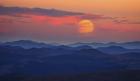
x=114 y=20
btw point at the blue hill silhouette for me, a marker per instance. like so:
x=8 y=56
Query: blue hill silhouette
x=46 y=60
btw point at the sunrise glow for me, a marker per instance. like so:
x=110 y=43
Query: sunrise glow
x=70 y=20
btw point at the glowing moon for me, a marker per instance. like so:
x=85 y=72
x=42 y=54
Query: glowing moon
x=86 y=26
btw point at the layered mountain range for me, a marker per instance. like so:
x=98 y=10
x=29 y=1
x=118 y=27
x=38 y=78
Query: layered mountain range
x=28 y=58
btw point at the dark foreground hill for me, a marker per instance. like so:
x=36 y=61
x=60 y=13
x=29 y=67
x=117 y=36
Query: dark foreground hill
x=125 y=75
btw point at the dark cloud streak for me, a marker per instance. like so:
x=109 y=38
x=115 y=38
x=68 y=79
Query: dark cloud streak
x=125 y=21
x=18 y=11
x=37 y=11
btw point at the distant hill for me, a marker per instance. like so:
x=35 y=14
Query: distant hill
x=83 y=47
x=31 y=44
x=128 y=45
x=27 y=44
x=116 y=50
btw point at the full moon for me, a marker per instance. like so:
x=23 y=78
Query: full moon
x=86 y=26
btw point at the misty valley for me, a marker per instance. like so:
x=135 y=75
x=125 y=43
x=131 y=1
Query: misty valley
x=26 y=60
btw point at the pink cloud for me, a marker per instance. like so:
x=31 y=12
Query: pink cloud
x=112 y=26
x=55 y=21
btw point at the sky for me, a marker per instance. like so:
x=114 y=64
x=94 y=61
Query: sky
x=66 y=21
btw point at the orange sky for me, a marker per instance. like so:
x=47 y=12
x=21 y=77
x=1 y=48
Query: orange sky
x=108 y=7
x=65 y=28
